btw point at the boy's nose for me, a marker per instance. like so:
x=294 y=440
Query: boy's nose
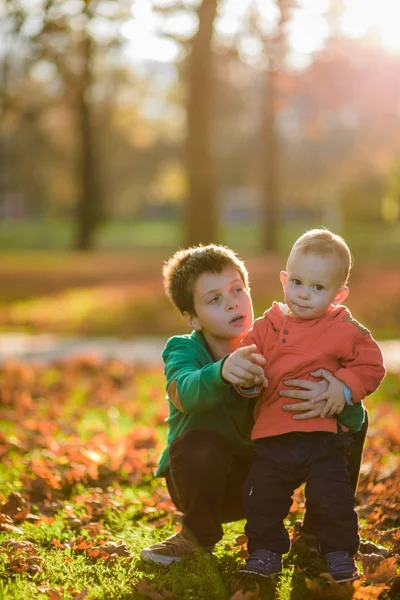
x=232 y=303
x=303 y=293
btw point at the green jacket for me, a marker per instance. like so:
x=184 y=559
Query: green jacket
x=199 y=398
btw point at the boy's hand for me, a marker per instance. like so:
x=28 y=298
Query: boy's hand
x=334 y=395
x=316 y=395
x=244 y=367
x=321 y=398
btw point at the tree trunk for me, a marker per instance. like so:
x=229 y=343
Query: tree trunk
x=87 y=212
x=270 y=167
x=200 y=209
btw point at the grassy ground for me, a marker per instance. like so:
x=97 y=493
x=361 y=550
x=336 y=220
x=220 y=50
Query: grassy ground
x=79 y=441
x=114 y=293
x=372 y=240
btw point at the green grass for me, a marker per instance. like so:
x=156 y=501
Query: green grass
x=63 y=420
x=117 y=289
x=377 y=241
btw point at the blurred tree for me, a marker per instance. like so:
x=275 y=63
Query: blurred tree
x=68 y=39
x=274 y=51
x=200 y=218
x=345 y=110
x=391 y=198
x=72 y=36
x=200 y=213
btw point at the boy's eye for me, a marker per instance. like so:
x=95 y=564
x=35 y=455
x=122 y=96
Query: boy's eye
x=319 y=288
x=296 y=281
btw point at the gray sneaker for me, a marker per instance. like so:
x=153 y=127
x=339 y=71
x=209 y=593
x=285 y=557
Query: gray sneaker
x=173 y=549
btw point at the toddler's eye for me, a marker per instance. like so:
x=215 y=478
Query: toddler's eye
x=296 y=281
x=240 y=289
x=319 y=288
x=214 y=300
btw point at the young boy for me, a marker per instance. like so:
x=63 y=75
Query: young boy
x=312 y=329
x=208 y=451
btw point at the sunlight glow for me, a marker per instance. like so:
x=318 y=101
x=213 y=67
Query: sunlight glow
x=383 y=16
x=307 y=30
x=144 y=43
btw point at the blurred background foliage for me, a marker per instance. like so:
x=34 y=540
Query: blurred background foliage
x=140 y=126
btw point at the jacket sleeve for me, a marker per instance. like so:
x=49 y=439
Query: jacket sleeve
x=192 y=386
x=253 y=337
x=363 y=369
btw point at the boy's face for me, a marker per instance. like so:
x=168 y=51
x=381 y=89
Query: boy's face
x=312 y=284
x=223 y=306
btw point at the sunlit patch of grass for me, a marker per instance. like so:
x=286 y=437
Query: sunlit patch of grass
x=77 y=415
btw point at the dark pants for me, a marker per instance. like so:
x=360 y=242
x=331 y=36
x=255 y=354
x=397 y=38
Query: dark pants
x=205 y=481
x=354 y=465
x=282 y=463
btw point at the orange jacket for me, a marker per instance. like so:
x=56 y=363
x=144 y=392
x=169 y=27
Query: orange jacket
x=294 y=347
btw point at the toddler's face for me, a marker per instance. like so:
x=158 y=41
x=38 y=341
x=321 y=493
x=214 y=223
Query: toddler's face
x=312 y=284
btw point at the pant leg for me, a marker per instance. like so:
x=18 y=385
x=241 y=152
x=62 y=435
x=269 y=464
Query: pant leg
x=205 y=479
x=353 y=468
x=329 y=494
x=267 y=494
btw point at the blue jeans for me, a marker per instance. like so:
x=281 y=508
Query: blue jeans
x=282 y=463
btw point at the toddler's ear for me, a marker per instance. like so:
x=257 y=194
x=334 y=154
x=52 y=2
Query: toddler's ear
x=283 y=278
x=192 y=321
x=341 y=295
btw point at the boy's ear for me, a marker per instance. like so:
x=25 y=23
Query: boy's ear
x=341 y=295
x=283 y=278
x=192 y=321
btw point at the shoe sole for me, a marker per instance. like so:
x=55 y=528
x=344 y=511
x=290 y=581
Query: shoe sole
x=245 y=571
x=159 y=558
x=346 y=579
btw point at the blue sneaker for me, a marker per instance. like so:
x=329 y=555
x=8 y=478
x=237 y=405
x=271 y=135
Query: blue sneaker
x=263 y=563
x=341 y=566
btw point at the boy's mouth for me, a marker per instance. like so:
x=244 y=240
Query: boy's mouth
x=237 y=320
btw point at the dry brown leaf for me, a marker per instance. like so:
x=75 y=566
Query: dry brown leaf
x=29 y=565
x=16 y=506
x=114 y=548
x=241 y=540
x=370 y=592
x=249 y=595
x=321 y=591
x=6 y=524
x=392 y=536
x=19 y=545
x=382 y=571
